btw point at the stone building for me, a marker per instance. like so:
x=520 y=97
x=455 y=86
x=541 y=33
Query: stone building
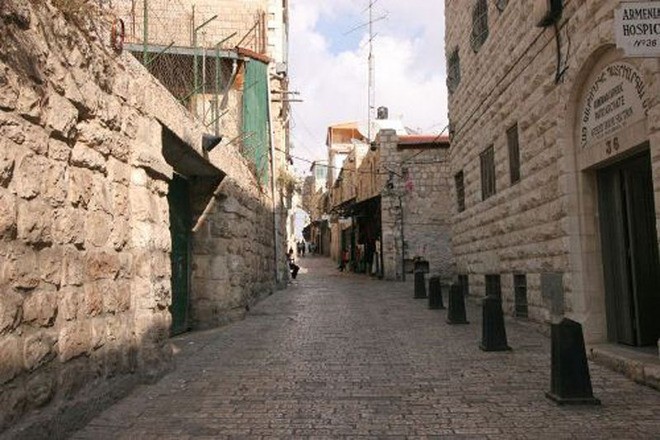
x=555 y=159
x=119 y=225
x=403 y=203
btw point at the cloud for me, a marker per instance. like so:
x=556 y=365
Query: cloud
x=410 y=72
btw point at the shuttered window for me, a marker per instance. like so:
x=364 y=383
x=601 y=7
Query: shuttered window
x=514 y=153
x=460 y=191
x=487 y=173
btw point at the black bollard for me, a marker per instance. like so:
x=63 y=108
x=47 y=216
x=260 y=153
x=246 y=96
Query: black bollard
x=435 y=294
x=570 y=383
x=493 y=335
x=456 y=311
x=420 y=285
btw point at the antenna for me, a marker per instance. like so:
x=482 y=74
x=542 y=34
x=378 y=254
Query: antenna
x=372 y=71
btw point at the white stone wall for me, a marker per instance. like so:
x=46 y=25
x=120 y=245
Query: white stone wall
x=419 y=202
x=547 y=222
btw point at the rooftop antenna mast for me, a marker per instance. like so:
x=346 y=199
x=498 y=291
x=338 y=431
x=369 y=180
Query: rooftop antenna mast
x=372 y=70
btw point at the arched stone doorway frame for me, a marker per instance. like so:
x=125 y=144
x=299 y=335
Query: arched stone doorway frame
x=585 y=287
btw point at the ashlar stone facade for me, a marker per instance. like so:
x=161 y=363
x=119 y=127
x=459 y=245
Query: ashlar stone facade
x=541 y=225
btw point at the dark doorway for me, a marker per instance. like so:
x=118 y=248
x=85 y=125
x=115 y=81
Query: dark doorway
x=180 y=230
x=630 y=251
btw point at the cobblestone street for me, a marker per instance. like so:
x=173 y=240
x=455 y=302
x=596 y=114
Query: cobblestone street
x=342 y=355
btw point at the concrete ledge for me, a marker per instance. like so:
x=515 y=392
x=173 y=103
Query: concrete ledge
x=642 y=367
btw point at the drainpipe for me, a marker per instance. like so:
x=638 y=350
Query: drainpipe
x=276 y=220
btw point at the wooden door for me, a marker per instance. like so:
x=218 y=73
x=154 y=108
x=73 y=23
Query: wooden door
x=630 y=251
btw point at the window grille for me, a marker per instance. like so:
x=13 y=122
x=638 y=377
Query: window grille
x=514 y=153
x=493 y=286
x=464 y=282
x=520 y=291
x=453 y=71
x=487 y=173
x=479 y=25
x=460 y=191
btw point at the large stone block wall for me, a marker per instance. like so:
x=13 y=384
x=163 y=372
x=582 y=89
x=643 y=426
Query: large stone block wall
x=84 y=220
x=419 y=201
x=533 y=227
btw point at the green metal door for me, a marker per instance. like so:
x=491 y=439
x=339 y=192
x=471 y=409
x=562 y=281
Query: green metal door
x=180 y=230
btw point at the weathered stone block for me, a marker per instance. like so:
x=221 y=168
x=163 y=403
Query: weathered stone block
x=93 y=298
x=49 y=261
x=21 y=270
x=40 y=308
x=38 y=349
x=80 y=186
x=34 y=223
x=85 y=157
x=60 y=115
x=10 y=310
x=29 y=176
x=54 y=184
x=102 y=265
x=143 y=207
x=69 y=299
x=11 y=354
x=8 y=216
x=8 y=89
x=69 y=226
x=73 y=267
x=7 y=163
x=98 y=226
x=74 y=340
x=120 y=234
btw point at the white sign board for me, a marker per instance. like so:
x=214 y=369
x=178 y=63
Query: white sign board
x=616 y=99
x=637 y=28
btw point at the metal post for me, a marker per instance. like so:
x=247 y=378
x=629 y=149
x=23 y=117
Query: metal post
x=217 y=89
x=145 y=32
x=195 y=67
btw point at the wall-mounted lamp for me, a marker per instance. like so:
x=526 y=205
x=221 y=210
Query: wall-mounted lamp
x=209 y=141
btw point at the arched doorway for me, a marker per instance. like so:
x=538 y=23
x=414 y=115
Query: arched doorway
x=612 y=150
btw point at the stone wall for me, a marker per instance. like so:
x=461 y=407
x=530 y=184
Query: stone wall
x=84 y=226
x=419 y=202
x=546 y=225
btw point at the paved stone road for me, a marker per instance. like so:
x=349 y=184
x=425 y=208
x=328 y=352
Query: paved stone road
x=341 y=355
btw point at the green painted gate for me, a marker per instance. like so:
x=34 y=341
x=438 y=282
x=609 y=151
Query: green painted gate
x=180 y=230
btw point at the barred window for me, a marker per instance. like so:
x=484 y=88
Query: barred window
x=493 y=286
x=479 y=25
x=514 y=153
x=487 y=173
x=460 y=191
x=453 y=71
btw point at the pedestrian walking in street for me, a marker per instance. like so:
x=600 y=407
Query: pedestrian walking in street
x=344 y=260
x=293 y=267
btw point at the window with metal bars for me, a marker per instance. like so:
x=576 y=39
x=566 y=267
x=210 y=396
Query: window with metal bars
x=453 y=71
x=487 y=173
x=479 y=25
x=460 y=191
x=514 y=153
x=493 y=286
x=520 y=292
x=464 y=282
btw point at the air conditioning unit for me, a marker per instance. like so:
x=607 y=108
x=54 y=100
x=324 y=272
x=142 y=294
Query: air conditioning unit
x=547 y=12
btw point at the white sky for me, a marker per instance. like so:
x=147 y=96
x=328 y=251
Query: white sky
x=329 y=67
